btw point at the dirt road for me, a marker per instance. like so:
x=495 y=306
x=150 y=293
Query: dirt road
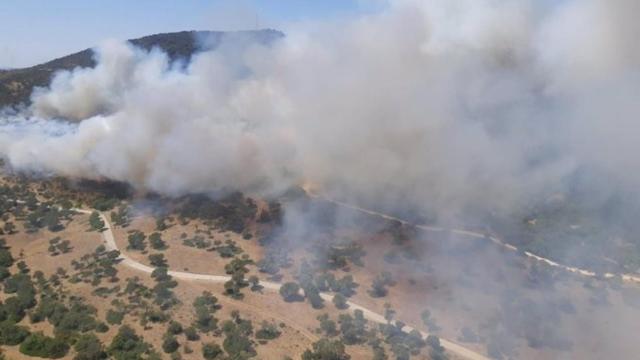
x=472 y=234
x=370 y=315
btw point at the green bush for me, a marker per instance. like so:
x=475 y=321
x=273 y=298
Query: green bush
x=39 y=345
x=325 y=349
x=170 y=344
x=211 y=351
x=290 y=291
x=114 y=317
x=127 y=345
x=191 y=334
x=12 y=334
x=156 y=241
x=174 y=328
x=268 y=331
x=6 y=259
x=89 y=347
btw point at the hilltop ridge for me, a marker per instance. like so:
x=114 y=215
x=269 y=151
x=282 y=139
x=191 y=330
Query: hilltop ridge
x=16 y=85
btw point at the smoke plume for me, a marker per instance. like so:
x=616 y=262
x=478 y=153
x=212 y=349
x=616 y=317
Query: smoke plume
x=441 y=105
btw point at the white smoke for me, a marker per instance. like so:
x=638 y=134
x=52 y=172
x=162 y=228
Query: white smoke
x=452 y=103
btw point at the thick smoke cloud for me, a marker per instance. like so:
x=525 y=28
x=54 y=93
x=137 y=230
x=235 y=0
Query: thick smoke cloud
x=454 y=104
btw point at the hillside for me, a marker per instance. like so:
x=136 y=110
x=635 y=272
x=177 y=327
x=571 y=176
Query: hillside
x=16 y=84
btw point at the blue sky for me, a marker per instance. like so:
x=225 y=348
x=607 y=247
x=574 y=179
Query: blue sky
x=33 y=31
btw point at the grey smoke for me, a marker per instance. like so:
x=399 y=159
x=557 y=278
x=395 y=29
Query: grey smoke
x=453 y=104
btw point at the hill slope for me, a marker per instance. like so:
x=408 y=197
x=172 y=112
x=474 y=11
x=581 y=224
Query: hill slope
x=16 y=84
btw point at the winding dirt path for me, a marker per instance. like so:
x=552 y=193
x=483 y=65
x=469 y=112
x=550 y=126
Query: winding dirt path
x=472 y=234
x=370 y=315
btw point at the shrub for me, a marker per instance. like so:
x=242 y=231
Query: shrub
x=39 y=345
x=157 y=260
x=174 y=328
x=95 y=222
x=114 y=317
x=136 y=241
x=191 y=334
x=340 y=301
x=12 y=334
x=6 y=259
x=156 y=242
x=170 y=344
x=326 y=349
x=268 y=331
x=290 y=291
x=211 y=351
x=89 y=347
x=127 y=345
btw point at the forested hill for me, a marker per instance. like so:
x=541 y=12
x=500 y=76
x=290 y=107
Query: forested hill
x=16 y=84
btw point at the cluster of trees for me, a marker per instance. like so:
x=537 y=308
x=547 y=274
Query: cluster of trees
x=205 y=307
x=96 y=223
x=121 y=216
x=212 y=351
x=355 y=330
x=324 y=349
x=313 y=285
x=380 y=283
x=198 y=242
x=275 y=258
x=137 y=241
x=237 y=342
x=170 y=343
x=58 y=246
x=429 y=321
x=237 y=268
x=158 y=260
x=69 y=320
x=156 y=242
x=45 y=215
x=40 y=345
x=268 y=331
x=338 y=255
x=229 y=249
x=231 y=213
x=93 y=268
x=105 y=203
x=6 y=260
x=164 y=296
x=344 y=286
x=127 y=345
x=89 y=347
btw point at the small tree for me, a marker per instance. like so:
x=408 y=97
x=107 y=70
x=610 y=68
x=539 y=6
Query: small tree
x=89 y=347
x=340 y=301
x=290 y=291
x=255 y=283
x=156 y=241
x=326 y=349
x=114 y=317
x=95 y=222
x=268 y=331
x=39 y=345
x=157 y=260
x=170 y=344
x=211 y=351
x=160 y=224
x=191 y=334
x=378 y=288
x=174 y=328
x=136 y=241
x=437 y=351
